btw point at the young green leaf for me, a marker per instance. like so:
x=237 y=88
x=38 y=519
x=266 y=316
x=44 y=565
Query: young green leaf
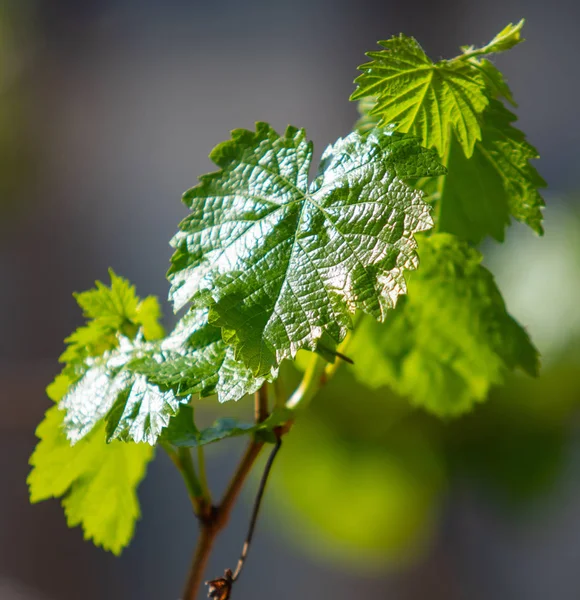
x=490 y=180
x=139 y=386
x=279 y=261
x=506 y=39
x=110 y=311
x=430 y=100
x=435 y=101
x=97 y=481
x=450 y=339
x=96 y=382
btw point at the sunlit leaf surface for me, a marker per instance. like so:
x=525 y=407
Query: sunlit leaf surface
x=280 y=261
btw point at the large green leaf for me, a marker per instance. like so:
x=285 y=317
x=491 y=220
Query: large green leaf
x=281 y=262
x=97 y=481
x=450 y=339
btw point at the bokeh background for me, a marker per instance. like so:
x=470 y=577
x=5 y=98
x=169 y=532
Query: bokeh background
x=108 y=110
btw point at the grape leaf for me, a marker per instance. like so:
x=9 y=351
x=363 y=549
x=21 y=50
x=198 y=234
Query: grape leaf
x=194 y=359
x=97 y=481
x=496 y=82
x=450 y=339
x=133 y=384
x=479 y=194
x=430 y=100
x=435 y=101
x=492 y=179
x=111 y=310
x=367 y=120
x=95 y=383
x=506 y=39
x=182 y=431
x=139 y=386
x=280 y=262
x=113 y=389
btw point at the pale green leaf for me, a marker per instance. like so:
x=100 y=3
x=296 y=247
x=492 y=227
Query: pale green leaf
x=450 y=339
x=479 y=195
x=430 y=100
x=97 y=481
x=110 y=310
x=506 y=39
x=496 y=82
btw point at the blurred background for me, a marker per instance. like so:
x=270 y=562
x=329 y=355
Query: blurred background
x=108 y=110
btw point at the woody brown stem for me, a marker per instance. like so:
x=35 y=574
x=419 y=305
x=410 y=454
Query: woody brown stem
x=201 y=555
x=216 y=519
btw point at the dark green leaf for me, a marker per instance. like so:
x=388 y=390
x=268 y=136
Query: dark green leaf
x=195 y=360
x=281 y=262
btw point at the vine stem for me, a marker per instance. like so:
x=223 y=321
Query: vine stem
x=440 y=185
x=202 y=475
x=202 y=553
x=217 y=518
x=261 y=404
x=212 y=521
x=181 y=458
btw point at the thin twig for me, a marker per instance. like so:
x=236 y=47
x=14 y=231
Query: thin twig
x=256 y=509
x=217 y=519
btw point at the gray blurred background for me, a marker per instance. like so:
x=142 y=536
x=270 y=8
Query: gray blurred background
x=108 y=110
